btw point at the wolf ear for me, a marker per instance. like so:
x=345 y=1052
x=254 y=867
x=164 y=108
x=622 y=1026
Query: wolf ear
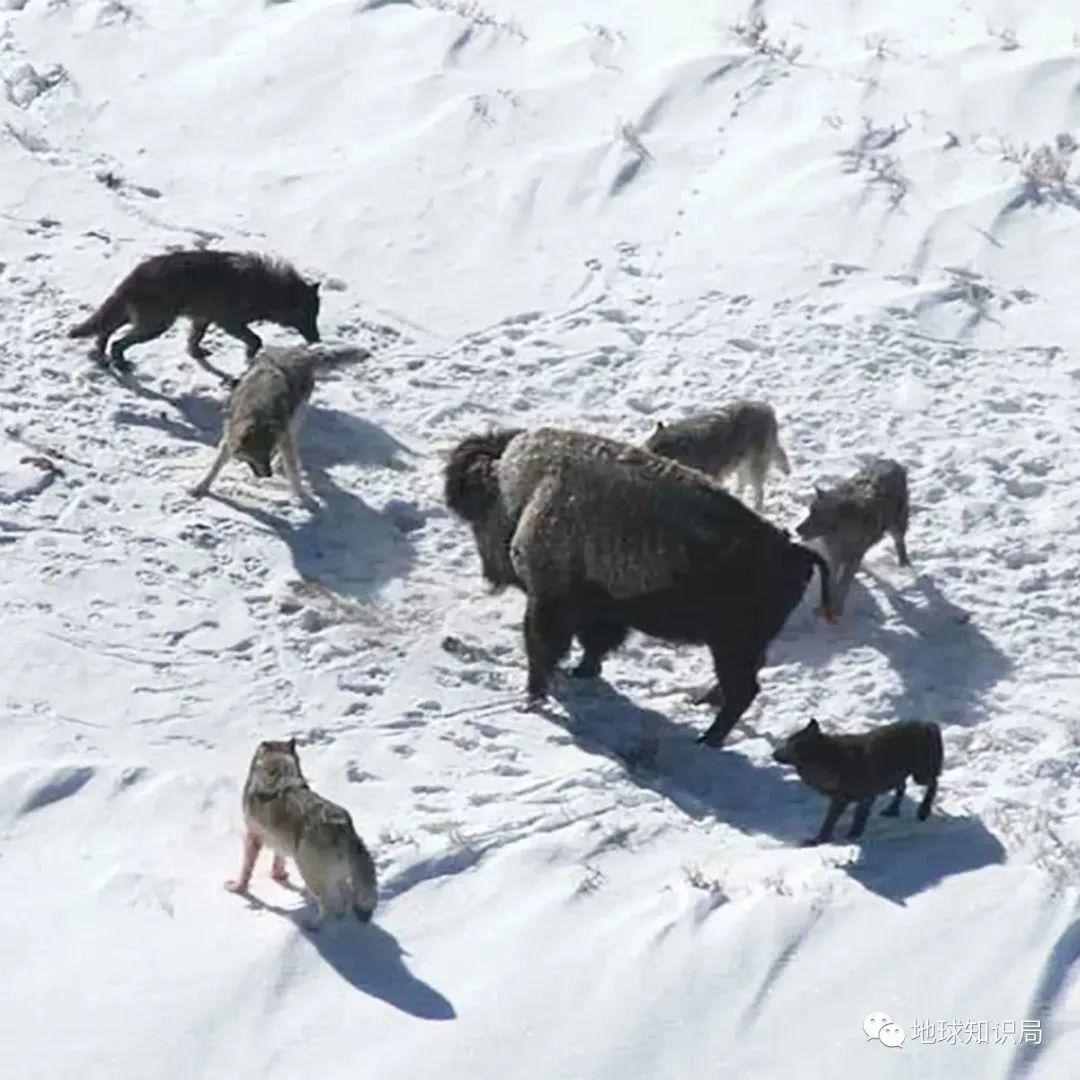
x=813 y=726
x=818 y=493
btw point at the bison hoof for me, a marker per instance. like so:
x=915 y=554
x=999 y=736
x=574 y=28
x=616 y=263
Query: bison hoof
x=587 y=669
x=533 y=698
x=713 y=695
x=712 y=738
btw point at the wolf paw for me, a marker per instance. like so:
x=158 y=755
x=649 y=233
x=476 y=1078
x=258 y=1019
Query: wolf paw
x=810 y=841
x=236 y=886
x=125 y=367
x=831 y=617
x=197 y=492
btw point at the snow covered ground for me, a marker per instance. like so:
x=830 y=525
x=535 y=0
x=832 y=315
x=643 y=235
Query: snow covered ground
x=598 y=214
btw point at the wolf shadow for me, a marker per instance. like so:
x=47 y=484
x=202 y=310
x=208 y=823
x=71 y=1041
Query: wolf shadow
x=328 y=436
x=370 y=959
x=347 y=546
x=946 y=665
x=663 y=756
x=909 y=856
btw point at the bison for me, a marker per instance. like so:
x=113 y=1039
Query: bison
x=604 y=537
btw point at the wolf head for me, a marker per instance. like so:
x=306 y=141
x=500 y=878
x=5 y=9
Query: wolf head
x=305 y=316
x=800 y=746
x=255 y=445
x=826 y=515
x=275 y=765
x=471 y=490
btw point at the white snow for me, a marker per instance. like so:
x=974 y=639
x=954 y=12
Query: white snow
x=588 y=213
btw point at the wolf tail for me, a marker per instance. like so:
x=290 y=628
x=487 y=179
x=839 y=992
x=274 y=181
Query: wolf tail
x=470 y=484
x=109 y=317
x=362 y=872
x=826 y=585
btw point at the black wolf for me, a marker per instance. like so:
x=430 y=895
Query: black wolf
x=853 y=516
x=857 y=768
x=227 y=288
x=604 y=537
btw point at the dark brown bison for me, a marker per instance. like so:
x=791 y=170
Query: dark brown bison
x=604 y=537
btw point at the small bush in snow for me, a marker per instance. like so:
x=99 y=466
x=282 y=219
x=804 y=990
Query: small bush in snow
x=753 y=32
x=1045 y=169
x=472 y=12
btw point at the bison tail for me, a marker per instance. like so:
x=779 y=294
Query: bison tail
x=937 y=749
x=470 y=484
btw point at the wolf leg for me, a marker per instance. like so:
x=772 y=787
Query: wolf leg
x=862 y=812
x=597 y=639
x=142 y=331
x=251 y=340
x=223 y=455
x=278 y=870
x=836 y=807
x=194 y=341
x=252 y=845
x=292 y=469
x=548 y=635
x=901 y=546
x=199 y=354
x=844 y=577
x=780 y=459
x=928 y=800
x=893 y=809
x=758 y=469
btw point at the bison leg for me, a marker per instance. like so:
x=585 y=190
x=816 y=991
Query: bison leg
x=928 y=799
x=597 y=639
x=549 y=631
x=736 y=687
x=893 y=809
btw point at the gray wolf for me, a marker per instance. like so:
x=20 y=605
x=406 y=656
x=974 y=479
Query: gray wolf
x=853 y=516
x=264 y=414
x=741 y=438
x=857 y=768
x=604 y=537
x=282 y=812
x=227 y=288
